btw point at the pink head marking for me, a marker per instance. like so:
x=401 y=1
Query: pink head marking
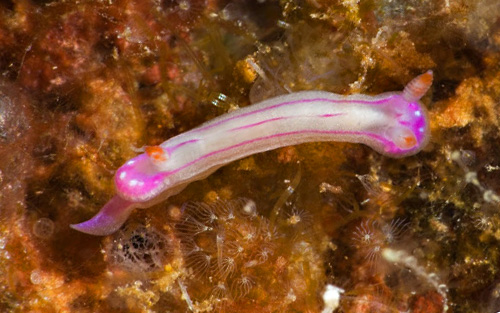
x=409 y=131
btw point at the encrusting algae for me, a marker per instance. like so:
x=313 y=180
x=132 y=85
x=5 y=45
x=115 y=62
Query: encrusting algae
x=317 y=227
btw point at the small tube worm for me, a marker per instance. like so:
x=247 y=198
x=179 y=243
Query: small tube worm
x=394 y=124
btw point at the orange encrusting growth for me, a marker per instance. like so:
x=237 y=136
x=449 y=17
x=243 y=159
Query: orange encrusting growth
x=156 y=153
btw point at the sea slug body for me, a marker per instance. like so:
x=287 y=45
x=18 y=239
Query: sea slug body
x=394 y=124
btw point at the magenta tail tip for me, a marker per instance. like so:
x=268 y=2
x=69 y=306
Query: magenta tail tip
x=108 y=220
x=90 y=228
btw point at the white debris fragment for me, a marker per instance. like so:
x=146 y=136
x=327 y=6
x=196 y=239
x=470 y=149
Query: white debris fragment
x=331 y=298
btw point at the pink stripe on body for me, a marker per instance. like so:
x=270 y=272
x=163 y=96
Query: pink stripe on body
x=377 y=137
x=375 y=102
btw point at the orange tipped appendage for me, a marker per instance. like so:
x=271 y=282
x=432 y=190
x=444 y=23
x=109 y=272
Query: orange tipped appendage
x=404 y=138
x=417 y=88
x=410 y=141
x=156 y=153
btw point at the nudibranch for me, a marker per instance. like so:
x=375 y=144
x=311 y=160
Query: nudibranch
x=394 y=124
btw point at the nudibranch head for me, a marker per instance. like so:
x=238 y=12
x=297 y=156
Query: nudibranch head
x=409 y=131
